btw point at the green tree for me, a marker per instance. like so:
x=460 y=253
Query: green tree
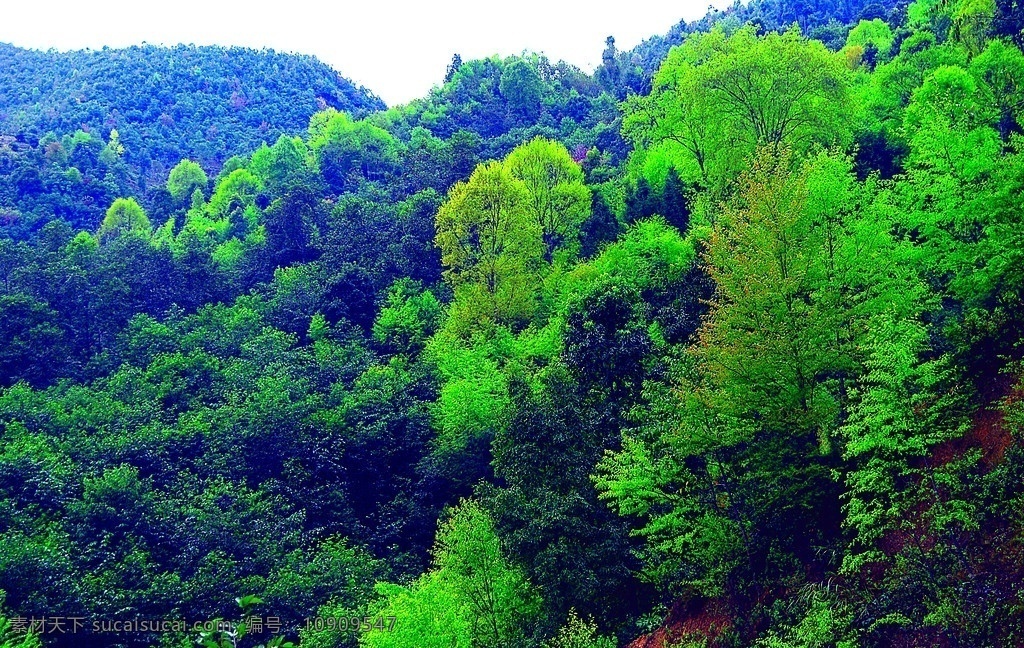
x=490 y=243
x=284 y=166
x=950 y=126
x=124 y=216
x=11 y=637
x=765 y=342
x=730 y=469
x=1000 y=69
x=578 y=633
x=409 y=318
x=718 y=98
x=602 y=226
x=609 y=73
x=185 y=178
x=972 y=22
x=521 y=87
x=557 y=197
x=673 y=200
x=872 y=32
x=35 y=345
x=472 y=596
x=349 y=151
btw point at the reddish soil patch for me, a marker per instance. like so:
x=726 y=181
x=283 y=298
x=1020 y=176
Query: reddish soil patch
x=987 y=431
x=696 y=620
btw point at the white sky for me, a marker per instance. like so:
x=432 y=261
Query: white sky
x=396 y=49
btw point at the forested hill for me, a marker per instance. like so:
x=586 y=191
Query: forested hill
x=79 y=129
x=539 y=360
x=205 y=103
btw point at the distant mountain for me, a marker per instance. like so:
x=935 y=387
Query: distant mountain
x=205 y=103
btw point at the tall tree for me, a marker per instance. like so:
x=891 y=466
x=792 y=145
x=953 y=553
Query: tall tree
x=557 y=198
x=185 y=178
x=673 y=202
x=717 y=98
x=472 y=596
x=490 y=243
x=124 y=216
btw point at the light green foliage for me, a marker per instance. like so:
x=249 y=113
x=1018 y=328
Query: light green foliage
x=408 y=319
x=672 y=476
x=11 y=637
x=872 y=32
x=954 y=153
x=500 y=231
x=472 y=595
x=781 y=258
x=578 y=633
x=825 y=623
x=230 y=223
x=229 y=253
x=688 y=544
x=921 y=12
x=185 y=178
x=346 y=149
x=997 y=259
x=557 y=198
x=237 y=191
x=885 y=94
x=475 y=369
x=125 y=216
x=1000 y=71
x=114 y=149
x=972 y=21
x=951 y=126
x=474 y=395
x=501 y=601
x=83 y=246
x=898 y=414
x=717 y=98
x=802 y=260
x=284 y=165
x=428 y=614
x=163 y=236
x=490 y=245
x=649 y=254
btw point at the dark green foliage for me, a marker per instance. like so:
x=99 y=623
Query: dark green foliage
x=34 y=346
x=203 y=103
x=1009 y=20
x=78 y=129
x=673 y=202
x=291 y=223
x=606 y=345
x=641 y=201
x=181 y=529
x=547 y=508
x=602 y=226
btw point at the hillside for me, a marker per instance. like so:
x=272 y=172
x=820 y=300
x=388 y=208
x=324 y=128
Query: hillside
x=723 y=352
x=78 y=129
x=203 y=103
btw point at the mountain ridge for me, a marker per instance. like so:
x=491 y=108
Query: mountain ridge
x=154 y=96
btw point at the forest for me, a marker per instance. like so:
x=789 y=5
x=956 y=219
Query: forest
x=719 y=346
